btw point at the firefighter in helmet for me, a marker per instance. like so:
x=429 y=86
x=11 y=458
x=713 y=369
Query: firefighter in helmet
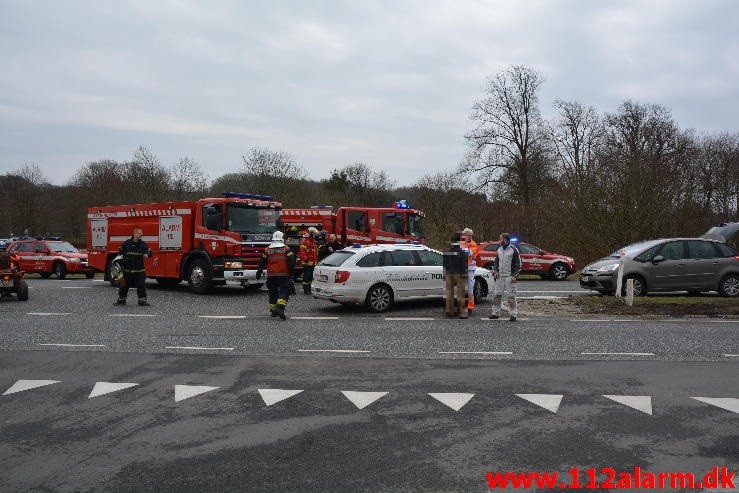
x=308 y=257
x=279 y=261
x=134 y=250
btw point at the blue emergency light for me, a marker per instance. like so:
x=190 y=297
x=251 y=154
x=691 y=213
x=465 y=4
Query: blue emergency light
x=252 y=196
x=402 y=204
x=514 y=239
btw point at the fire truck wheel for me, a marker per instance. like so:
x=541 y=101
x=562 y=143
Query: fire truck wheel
x=59 y=271
x=46 y=275
x=89 y=274
x=200 y=279
x=22 y=291
x=379 y=298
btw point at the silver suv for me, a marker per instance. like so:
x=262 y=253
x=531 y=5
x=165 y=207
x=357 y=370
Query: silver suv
x=694 y=265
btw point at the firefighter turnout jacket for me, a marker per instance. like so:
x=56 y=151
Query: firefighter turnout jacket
x=277 y=260
x=133 y=255
x=309 y=251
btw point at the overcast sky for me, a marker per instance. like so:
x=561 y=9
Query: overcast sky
x=386 y=83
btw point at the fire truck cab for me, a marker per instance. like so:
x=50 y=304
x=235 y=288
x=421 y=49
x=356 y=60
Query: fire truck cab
x=207 y=243
x=365 y=225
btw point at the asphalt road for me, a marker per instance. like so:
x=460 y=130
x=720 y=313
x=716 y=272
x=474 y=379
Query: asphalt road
x=209 y=411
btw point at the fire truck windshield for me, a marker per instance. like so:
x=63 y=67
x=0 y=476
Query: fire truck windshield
x=248 y=219
x=414 y=225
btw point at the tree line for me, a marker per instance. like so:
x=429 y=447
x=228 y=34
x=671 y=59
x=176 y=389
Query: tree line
x=583 y=183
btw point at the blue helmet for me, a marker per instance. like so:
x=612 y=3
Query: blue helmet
x=3 y=245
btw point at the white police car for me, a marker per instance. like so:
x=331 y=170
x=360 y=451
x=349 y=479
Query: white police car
x=379 y=275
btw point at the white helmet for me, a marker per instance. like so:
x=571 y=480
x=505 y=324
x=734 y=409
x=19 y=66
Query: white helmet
x=278 y=236
x=312 y=231
x=467 y=231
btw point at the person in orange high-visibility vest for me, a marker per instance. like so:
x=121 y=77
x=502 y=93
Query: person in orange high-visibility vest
x=308 y=257
x=469 y=244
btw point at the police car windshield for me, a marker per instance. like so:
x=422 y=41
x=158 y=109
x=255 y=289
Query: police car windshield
x=62 y=247
x=414 y=225
x=246 y=219
x=337 y=258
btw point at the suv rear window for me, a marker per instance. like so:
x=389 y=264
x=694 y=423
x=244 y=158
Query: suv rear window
x=726 y=250
x=337 y=258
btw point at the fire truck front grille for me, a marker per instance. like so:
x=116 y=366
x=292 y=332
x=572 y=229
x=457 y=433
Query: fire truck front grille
x=252 y=254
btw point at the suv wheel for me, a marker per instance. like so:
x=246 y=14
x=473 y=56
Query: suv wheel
x=729 y=286
x=59 y=270
x=379 y=298
x=478 y=291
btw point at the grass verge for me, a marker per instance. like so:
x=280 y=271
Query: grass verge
x=677 y=306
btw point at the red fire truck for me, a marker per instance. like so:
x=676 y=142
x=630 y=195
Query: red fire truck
x=364 y=225
x=208 y=242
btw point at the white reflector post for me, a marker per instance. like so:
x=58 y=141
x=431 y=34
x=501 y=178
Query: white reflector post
x=629 y=292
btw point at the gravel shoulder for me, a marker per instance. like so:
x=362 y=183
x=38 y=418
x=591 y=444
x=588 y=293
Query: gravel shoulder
x=657 y=307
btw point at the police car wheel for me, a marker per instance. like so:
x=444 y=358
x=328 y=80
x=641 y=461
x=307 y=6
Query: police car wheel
x=477 y=289
x=379 y=298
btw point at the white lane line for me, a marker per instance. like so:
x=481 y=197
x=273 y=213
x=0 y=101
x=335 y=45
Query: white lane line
x=76 y=287
x=496 y=353
x=732 y=355
x=618 y=354
x=548 y=291
x=72 y=345
x=200 y=348
x=410 y=318
x=131 y=315
x=589 y=320
x=222 y=316
x=539 y=297
x=314 y=318
x=45 y=314
x=333 y=351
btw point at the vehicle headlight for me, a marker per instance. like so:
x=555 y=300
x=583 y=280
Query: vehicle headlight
x=233 y=265
x=608 y=267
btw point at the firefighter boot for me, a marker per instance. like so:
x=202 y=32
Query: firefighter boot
x=306 y=288
x=281 y=311
x=119 y=301
x=144 y=303
x=272 y=310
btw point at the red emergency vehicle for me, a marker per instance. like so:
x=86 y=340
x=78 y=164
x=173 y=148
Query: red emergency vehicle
x=365 y=225
x=208 y=242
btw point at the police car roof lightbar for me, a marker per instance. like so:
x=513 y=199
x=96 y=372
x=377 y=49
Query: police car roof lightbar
x=514 y=239
x=253 y=196
x=402 y=204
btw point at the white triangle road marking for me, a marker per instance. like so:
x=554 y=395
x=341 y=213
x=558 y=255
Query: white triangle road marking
x=728 y=403
x=362 y=399
x=454 y=400
x=102 y=388
x=182 y=392
x=22 y=385
x=641 y=403
x=549 y=402
x=273 y=396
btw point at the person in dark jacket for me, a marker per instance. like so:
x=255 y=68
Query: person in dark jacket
x=279 y=261
x=329 y=247
x=134 y=250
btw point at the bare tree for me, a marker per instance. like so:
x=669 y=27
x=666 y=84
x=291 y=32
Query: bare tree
x=358 y=184
x=576 y=136
x=718 y=175
x=505 y=150
x=145 y=178
x=273 y=173
x=27 y=194
x=187 y=180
